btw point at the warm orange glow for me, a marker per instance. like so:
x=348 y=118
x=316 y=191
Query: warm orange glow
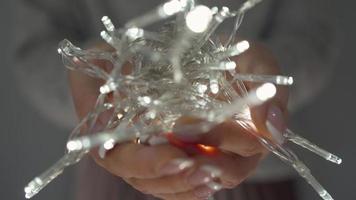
x=175 y=141
x=189 y=147
x=207 y=149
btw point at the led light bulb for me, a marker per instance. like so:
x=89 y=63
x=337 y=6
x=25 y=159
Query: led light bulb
x=108 y=24
x=242 y=46
x=172 y=7
x=106 y=37
x=199 y=18
x=108 y=145
x=230 y=65
x=74 y=145
x=147 y=102
x=266 y=91
x=134 y=33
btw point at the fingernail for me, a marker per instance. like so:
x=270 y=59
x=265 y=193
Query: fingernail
x=276 y=124
x=176 y=166
x=204 y=175
x=204 y=192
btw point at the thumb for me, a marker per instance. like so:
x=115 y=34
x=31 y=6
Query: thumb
x=269 y=118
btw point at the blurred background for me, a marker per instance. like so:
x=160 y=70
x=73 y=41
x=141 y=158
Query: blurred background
x=332 y=114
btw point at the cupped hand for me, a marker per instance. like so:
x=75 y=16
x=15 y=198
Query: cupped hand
x=168 y=172
x=269 y=119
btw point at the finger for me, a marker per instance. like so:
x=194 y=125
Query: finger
x=164 y=185
x=257 y=60
x=185 y=181
x=84 y=90
x=230 y=136
x=228 y=169
x=139 y=161
x=233 y=168
x=227 y=136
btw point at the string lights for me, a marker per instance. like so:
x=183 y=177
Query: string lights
x=177 y=71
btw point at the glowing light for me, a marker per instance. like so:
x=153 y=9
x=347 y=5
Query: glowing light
x=198 y=19
x=202 y=88
x=134 y=33
x=29 y=189
x=108 y=105
x=172 y=7
x=28 y=196
x=108 y=24
x=282 y=80
x=108 y=145
x=106 y=37
x=242 y=46
x=151 y=115
x=230 y=65
x=266 y=91
x=108 y=87
x=104 y=89
x=334 y=159
x=144 y=100
x=214 y=86
x=199 y=63
x=120 y=115
x=290 y=80
x=74 y=145
x=206 y=148
x=214 y=10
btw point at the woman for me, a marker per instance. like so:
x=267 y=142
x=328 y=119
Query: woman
x=301 y=39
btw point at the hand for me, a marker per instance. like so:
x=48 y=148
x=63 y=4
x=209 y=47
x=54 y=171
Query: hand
x=269 y=119
x=259 y=60
x=168 y=172
x=164 y=171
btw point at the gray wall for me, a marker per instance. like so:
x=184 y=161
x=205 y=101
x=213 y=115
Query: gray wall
x=22 y=156
x=331 y=114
